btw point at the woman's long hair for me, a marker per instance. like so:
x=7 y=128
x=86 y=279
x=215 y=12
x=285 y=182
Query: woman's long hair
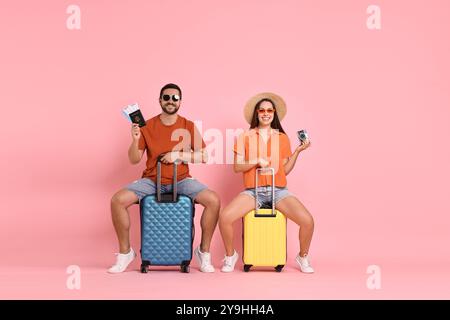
x=275 y=124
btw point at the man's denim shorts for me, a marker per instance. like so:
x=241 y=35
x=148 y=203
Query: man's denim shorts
x=145 y=186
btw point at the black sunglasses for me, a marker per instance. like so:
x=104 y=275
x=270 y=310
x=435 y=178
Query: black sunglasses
x=167 y=97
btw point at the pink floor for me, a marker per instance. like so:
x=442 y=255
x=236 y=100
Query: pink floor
x=333 y=279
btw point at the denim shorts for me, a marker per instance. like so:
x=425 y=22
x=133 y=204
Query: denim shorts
x=145 y=186
x=265 y=195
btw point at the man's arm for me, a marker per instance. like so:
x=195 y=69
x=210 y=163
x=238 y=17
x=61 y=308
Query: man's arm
x=186 y=156
x=198 y=154
x=134 y=153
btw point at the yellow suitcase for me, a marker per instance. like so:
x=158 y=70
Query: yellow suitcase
x=264 y=234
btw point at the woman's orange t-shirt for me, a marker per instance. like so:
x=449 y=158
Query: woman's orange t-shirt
x=250 y=146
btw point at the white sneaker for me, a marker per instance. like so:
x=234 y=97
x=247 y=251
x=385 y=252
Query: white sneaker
x=305 y=265
x=230 y=262
x=204 y=260
x=122 y=261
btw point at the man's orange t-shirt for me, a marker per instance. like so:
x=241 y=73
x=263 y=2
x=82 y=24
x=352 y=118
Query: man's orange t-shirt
x=250 y=146
x=158 y=138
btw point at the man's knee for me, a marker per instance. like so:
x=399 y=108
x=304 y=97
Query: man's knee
x=210 y=199
x=124 y=198
x=214 y=200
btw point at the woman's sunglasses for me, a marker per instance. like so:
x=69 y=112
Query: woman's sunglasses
x=167 y=97
x=269 y=111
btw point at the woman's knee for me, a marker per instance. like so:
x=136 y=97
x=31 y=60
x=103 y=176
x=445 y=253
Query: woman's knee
x=308 y=222
x=225 y=218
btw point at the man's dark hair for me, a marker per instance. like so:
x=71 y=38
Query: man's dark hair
x=169 y=86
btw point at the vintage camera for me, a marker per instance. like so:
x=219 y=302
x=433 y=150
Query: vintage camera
x=302 y=135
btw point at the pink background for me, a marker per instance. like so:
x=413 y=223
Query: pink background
x=376 y=104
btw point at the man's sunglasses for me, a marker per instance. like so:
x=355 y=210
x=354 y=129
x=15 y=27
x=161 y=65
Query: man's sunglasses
x=167 y=97
x=269 y=111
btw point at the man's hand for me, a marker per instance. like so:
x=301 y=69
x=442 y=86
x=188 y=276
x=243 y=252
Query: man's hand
x=135 y=131
x=170 y=157
x=303 y=146
x=204 y=156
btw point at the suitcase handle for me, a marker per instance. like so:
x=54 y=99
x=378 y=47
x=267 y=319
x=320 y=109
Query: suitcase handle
x=274 y=213
x=165 y=197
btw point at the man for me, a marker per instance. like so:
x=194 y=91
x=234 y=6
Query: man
x=170 y=134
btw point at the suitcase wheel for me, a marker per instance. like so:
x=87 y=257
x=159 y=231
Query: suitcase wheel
x=247 y=267
x=279 y=268
x=185 y=269
x=144 y=269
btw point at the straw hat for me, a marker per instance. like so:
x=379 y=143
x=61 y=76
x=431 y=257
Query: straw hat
x=280 y=105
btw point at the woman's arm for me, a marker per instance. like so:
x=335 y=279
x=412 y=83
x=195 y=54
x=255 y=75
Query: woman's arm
x=290 y=163
x=242 y=166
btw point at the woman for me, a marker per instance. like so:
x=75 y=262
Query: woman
x=266 y=145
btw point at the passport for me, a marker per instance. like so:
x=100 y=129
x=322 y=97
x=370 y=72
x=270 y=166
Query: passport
x=134 y=114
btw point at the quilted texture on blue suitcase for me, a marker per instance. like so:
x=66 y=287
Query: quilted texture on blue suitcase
x=166 y=230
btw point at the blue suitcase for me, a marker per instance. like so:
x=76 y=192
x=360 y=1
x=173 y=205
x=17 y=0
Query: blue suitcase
x=167 y=227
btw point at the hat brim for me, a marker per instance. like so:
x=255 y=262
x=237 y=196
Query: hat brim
x=280 y=105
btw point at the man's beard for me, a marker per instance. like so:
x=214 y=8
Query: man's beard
x=170 y=112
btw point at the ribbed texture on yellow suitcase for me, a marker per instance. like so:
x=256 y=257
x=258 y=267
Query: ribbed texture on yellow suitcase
x=264 y=239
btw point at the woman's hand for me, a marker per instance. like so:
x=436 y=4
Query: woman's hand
x=306 y=144
x=262 y=163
